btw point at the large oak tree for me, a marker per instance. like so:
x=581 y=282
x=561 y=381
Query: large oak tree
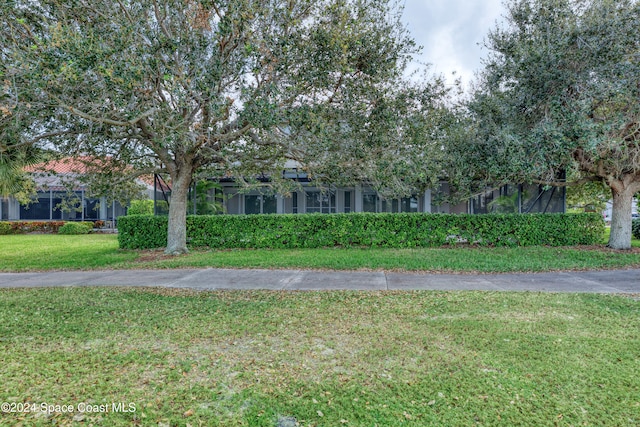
x=15 y=153
x=560 y=91
x=235 y=86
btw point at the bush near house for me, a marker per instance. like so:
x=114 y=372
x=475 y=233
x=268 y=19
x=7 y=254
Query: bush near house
x=76 y=228
x=5 y=228
x=140 y=207
x=21 y=227
x=635 y=228
x=366 y=229
x=50 y=227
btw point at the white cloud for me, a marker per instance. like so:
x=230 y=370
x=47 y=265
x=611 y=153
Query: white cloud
x=451 y=33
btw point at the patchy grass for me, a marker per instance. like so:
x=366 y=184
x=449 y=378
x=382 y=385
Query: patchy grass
x=55 y=252
x=486 y=260
x=321 y=358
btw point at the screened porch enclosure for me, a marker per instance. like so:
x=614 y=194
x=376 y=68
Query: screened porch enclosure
x=523 y=198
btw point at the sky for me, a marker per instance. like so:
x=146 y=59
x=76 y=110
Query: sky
x=451 y=33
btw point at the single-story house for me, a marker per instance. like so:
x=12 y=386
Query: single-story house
x=53 y=185
x=60 y=195
x=525 y=198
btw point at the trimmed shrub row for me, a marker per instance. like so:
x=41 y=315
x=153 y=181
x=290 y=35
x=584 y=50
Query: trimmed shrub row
x=22 y=227
x=635 y=228
x=366 y=229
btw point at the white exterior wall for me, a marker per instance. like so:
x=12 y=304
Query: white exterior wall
x=426 y=201
x=358 y=199
x=234 y=201
x=340 y=201
x=14 y=209
x=104 y=208
x=280 y=204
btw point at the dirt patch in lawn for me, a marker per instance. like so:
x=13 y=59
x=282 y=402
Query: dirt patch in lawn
x=154 y=255
x=603 y=248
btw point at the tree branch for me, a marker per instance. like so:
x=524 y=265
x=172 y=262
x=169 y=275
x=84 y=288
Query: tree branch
x=164 y=29
x=126 y=12
x=567 y=184
x=45 y=136
x=89 y=117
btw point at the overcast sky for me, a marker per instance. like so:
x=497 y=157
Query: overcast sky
x=451 y=33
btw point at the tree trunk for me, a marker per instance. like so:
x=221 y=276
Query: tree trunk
x=177 y=228
x=620 y=237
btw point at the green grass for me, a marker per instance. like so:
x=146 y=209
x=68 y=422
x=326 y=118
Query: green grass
x=60 y=252
x=322 y=358
x=486 y=260
x=55 y=252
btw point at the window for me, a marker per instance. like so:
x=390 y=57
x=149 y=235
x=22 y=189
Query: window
x=482 y=203
x=409 y=204
x=91 y=209
x=259 y=204
x=252 y=205
x=321 y=202
x=347 y=201
x=269 y=204
x=4 y=208
x=369 y=202
x=37 y=210
x=389 y=205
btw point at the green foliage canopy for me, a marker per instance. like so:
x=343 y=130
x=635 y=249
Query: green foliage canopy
x=235 y=86
x=560 y=92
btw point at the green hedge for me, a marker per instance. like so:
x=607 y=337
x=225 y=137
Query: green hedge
x=5 y=228
x=142 y=231
x=22 y=227
x=366 y=229
x=75 y=228
x=635 y=228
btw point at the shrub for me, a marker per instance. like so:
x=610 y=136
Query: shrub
x=74 y=228
x=140 y=207
x=5 y=228
x=20 y=227
x=635 y=228
x=89 y=224
x=366 y=229
x=142 y=231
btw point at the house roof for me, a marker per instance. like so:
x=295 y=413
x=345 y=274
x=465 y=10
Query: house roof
x=54 y=173
x=68 y=165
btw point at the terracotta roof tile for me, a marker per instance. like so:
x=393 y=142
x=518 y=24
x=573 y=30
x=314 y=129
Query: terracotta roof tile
x=68 y=165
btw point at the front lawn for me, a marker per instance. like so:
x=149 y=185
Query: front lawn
x=61 y=252
x=270 y=359
x=56 y=252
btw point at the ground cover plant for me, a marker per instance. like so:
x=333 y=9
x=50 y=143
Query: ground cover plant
x=95 y=251
x=320 y=358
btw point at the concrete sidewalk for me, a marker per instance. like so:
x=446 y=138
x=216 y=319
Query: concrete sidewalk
x=610 y=281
